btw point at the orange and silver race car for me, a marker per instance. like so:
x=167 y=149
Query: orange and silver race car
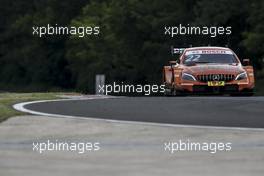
x=212 y=70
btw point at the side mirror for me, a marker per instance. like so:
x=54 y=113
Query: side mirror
x=246 y=62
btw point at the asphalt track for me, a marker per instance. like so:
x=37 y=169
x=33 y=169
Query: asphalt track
x=206 y=111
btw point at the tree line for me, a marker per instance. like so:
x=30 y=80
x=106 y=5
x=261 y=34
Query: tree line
x=131 y=47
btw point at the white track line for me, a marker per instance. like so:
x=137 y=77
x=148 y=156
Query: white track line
x=21 y=107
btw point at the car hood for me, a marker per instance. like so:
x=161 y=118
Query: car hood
x=214 y=69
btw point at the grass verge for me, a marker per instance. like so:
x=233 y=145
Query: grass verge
x=8 y=99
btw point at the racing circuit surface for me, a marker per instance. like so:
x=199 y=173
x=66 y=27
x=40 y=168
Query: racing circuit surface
x=208 y=111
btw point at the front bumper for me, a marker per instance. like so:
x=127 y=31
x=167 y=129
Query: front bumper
x=230 y=87
x=222 y=89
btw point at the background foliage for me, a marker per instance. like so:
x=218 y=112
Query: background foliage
x=131 y=46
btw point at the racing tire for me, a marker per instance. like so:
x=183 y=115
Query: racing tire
x=173 y=92
x=168 y=92
x=248 y=93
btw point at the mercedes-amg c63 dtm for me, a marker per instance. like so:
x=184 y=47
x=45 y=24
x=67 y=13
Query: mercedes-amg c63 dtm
x=208 y=70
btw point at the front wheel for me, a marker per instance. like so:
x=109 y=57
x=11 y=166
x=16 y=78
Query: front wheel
x=169 y=92
x=247 y=93
x=172 y=92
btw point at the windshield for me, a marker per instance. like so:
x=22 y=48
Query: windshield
x=211 y=58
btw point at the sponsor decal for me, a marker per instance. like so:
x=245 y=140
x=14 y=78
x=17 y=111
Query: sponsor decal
x=208 y=52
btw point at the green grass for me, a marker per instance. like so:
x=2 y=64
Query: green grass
x=8 y=99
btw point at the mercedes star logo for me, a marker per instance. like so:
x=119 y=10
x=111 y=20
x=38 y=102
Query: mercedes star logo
x=216 y=77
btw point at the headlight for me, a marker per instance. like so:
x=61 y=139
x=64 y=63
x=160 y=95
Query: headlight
x=241 y=76
x=189 y=77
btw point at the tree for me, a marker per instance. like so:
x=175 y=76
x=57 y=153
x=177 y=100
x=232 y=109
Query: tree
x=131 y=46
x=253 y=36
x=30 y=62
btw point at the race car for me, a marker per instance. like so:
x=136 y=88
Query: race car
x=208 y=70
